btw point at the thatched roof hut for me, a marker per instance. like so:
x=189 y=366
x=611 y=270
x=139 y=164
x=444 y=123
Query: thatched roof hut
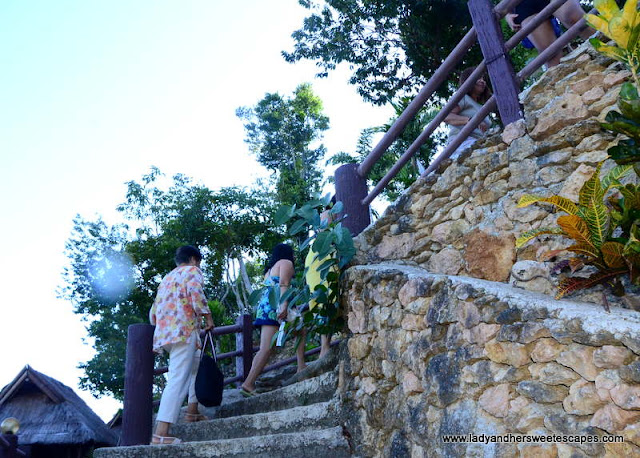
x=54 y=421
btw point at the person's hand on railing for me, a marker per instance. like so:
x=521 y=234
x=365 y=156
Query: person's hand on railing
x=208 y=322
x=511 y=20
x=282 y=316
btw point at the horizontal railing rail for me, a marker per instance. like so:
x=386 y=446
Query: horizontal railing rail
x=360 y=171
x=452 y=103
x=439 y=77
x=139 y=373
x=286 y=362
x=523 y=74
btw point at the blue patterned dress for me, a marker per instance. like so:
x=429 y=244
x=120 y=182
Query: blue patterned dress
x=266 y=314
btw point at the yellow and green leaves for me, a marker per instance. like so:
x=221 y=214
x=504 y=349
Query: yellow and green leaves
x=573 y=226
x=590 y=224
x=562 y=203
x=622 y=26
x=612 y=179
x=612 y=252
x=532 y=234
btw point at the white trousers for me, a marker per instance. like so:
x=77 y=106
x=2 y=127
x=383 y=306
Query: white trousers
x=184 y=359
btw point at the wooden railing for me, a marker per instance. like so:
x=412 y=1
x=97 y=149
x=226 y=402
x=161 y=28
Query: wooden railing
x=351 y=179
x=139 y=372
x=9 y=447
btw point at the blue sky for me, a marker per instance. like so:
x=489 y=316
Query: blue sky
x=93 y=93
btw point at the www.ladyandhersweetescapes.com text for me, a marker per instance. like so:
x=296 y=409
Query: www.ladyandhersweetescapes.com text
x=530 y=439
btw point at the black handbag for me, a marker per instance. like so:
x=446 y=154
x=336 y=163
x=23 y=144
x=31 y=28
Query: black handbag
x=209 y=380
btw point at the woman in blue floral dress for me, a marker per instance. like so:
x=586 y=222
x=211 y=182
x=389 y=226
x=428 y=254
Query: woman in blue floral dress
x=278 y=272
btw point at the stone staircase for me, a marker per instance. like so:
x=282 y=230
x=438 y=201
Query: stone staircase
x=302 y=419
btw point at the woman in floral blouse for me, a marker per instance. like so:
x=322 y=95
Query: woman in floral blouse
x=177 y=314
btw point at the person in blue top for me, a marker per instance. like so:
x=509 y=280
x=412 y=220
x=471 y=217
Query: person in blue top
x=544 y=35
x=277 y=273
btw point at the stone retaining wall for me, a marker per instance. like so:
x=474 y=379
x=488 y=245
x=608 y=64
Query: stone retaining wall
x=463 y=219
x=433 y=355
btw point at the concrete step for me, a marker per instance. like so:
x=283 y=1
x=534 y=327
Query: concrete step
x=296 y=419
x=328 y=442
x=311 y=391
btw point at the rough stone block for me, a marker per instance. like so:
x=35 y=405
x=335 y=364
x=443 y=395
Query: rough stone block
x=488 y=256
x=541 y=393
x=613 y=419
x=583 y=399
x=553 y=374
x=580 y=359
x=611 y=357
x=513 y=354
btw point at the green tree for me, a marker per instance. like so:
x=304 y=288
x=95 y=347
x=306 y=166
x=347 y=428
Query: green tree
x=283 y=133
x=114 y=270
x=392 y=46
x=411 y=171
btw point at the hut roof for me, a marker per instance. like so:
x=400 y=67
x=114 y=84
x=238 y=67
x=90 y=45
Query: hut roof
x=50 y=412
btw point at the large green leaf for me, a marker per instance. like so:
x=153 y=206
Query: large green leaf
x=629 y=102
x=283 y=214
x=591 y=190
x=625 y=152
x=597 y=218
x=307 y=212
x=323 y=243
x=298 y=226
x=337 y=208
x=255 y=296
x=616 y=122
x=612 y=177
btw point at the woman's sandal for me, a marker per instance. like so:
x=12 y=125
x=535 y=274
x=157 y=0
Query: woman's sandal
x=194 y=417
x=164 y=440
x=247 y=393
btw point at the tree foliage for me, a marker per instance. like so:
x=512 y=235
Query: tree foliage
x=283 y=132
x=392 y=46
x=115 y=270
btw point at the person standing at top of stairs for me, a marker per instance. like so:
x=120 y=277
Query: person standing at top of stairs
x=544 y=35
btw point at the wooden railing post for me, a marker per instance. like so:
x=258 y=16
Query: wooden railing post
x=351 y=190
x=138 y=386
x=503 y=77
x=8 y=446
x=243 y=363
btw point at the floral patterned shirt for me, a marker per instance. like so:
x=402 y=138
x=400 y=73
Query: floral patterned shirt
x=178 y=306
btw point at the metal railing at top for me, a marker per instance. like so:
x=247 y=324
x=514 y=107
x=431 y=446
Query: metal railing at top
x=350 y=179
x=139 y=372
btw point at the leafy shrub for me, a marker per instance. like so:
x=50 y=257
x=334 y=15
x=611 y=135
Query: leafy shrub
x=605 y=237
x=332 y=242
